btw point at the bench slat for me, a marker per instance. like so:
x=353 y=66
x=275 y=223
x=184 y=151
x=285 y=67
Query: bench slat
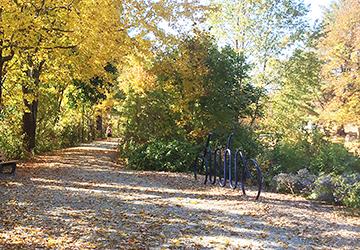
x=7 y=162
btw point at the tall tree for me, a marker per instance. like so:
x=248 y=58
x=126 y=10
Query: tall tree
x=263 y=30
x=193 y=88
x=340 y=49
x=296 y=100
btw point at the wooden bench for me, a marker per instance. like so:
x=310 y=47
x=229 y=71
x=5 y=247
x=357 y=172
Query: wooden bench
x=7 y=167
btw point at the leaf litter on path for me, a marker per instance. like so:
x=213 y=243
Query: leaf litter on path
x=79 y=198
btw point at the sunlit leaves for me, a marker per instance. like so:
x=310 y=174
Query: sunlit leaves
x=260 y=29
x=297 y=99
x=340 y=48
x=49 y=46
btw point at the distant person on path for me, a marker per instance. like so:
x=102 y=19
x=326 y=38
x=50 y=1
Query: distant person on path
x=108 y=131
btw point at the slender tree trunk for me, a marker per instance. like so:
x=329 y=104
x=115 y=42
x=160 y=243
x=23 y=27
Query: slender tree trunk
x=3 y=61
x=256 y=112
x=82 y=134
x=92 y=130
x=1 y=58
x=99 y=125
x=1 y=80
x=0 y=94
x=258 y=101
x=59 y=103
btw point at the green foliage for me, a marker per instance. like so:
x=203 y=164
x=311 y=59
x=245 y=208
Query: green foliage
x=314 y=153
x=324 y=189
x=160 y=155
x=229 y=94
x=297 y=100
x=149 y=116
x=244 y=138
x=332 y=157
x=197 y=88
x=10 y=133
x=293 y=104
x=62 y=121
x=341 y=189
x=93 y=91
x=262 y=29
x=57 y=78
x=10 y=142
x=288 y=157
x=348 y=189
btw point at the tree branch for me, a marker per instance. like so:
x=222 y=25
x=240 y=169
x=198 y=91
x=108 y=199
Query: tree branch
x=49 y=47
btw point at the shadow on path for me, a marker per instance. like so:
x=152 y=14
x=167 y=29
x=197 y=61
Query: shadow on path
x=80 y=198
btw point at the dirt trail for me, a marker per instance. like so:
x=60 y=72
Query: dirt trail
x=79 y=198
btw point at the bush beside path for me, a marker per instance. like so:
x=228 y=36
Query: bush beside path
x=80 y=198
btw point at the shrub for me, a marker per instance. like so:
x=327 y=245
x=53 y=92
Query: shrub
x=160 y=155
x=333 y=158
x=353 y=197
x=289 y=157
x=324 y=189
x=11 y=144
x=347 y=189
x=11 y=140
x=315 y=153
x=340 y=189
x=301 y=182
x=284 y=183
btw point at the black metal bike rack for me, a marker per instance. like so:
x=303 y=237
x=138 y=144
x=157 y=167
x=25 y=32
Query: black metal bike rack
x=235 y=168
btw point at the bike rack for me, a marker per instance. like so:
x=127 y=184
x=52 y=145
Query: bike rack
x=235 y=165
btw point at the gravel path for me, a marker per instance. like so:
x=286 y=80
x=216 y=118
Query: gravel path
x=79 y=198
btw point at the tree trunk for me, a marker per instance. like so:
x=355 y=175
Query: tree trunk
x=30 y=114
x=0 y=95
x=3 y=61
x=29 y=123
x=82 y=124
x=99 y=125
x=258 y=101
x=1 y=81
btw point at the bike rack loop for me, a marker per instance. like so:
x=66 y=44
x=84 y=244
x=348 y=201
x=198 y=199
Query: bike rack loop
x=203 y=157
x=212 y=161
